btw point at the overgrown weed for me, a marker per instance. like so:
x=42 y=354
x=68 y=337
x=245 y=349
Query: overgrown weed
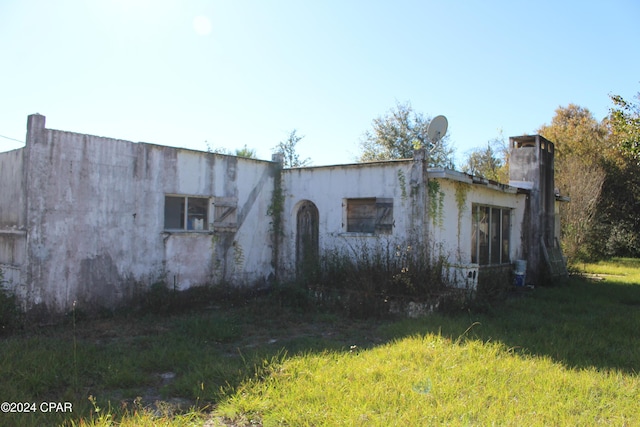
x=362 y=280
x=562 y=355
x=11 y=318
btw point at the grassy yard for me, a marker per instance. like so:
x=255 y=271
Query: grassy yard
x=564 y=355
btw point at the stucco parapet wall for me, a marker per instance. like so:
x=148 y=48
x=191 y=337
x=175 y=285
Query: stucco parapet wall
x=355 y=165
x=40 y=120
x=159 y=146
x=453 y=175
x=13 y=150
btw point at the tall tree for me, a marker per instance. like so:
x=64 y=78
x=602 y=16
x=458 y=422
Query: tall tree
x=576 y=132
x=625 y=124
x=400 y=131
x=491 y=162
x=598 y=166
x=580 y=147
x=287 y=148
x=618 y=228
x=619 y=210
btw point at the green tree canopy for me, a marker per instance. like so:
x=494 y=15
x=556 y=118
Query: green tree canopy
x=625 y=125
x=581 y=147
x=398 y=133
x=597 y=166
x=618 y=212
x=576 y=132
x=287 y=148
x=246 y=152
x=491 y=162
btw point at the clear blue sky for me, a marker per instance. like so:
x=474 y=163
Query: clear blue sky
x=247 y=72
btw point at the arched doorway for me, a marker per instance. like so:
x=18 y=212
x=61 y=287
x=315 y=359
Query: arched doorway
x=307 y=219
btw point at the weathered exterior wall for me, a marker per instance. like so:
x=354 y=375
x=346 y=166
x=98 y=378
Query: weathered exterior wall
x=13 y=237
x=82 y=218
x=12 y=201
x=96 y=232
x=329 y=187
x=240 y=255
x=432 y=208
x=451 y=200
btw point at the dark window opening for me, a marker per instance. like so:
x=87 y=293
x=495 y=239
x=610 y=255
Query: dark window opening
x=490 y=235
x=186 y=213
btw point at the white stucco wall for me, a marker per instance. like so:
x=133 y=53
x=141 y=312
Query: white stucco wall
x=13 y=237
x=12 y=189
x=451 y=226
x=82 y=217
x=436 y=214
x=328 y=188
x=95 y=218
x=242 y=256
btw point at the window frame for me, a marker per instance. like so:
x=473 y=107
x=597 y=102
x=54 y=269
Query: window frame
x=187 y=225
x=490 y=220
x=380 y=217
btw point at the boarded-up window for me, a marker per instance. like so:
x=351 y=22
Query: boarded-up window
x=490 y=236
x=186 y=213
x=225 y=212
x=369 y=215
x=384 y=216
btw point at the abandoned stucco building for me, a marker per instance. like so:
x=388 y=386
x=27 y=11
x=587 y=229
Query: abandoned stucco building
x=91 y=219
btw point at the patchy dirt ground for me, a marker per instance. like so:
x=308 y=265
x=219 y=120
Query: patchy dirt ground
x=255 y=330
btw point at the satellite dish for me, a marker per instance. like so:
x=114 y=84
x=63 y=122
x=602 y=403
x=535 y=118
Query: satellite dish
x=437 y=128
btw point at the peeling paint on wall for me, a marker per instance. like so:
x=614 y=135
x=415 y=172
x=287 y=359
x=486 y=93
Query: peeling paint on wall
x=94 y=217
x=84 y=217
x=100 y=282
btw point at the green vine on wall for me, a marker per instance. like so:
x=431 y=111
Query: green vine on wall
x=403 y=184
x=436 y=203
x=462 y=189
x=276 y=207
x=238 y=255
x=214 y=262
